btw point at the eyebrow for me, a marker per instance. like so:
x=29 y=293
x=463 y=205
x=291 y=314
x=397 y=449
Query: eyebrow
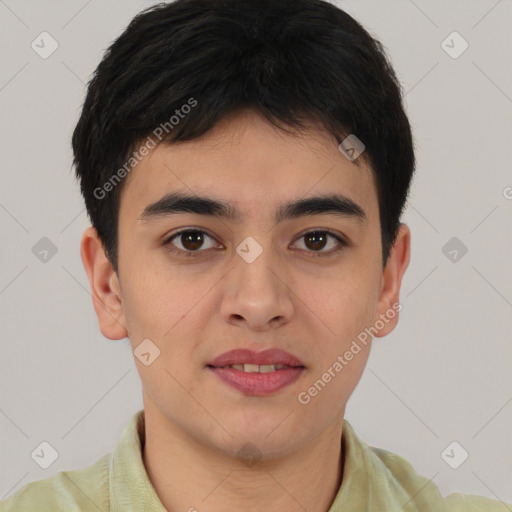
x=178 y=202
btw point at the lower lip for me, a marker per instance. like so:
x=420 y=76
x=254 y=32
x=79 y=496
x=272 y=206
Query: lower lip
x=258 y=384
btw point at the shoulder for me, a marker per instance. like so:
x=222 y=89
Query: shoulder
x=425 y=495
x=80 y=489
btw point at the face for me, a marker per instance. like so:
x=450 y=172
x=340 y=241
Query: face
x=308 y=282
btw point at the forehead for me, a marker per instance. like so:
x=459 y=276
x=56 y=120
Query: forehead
x=246 y=161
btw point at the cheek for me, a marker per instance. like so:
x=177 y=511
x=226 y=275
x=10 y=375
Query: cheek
x=146 y=306
x=159 y=304
x=342 y=353
x=344 y=306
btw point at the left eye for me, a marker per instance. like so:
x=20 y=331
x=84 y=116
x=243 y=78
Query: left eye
x=192 y=240
x=318 y=240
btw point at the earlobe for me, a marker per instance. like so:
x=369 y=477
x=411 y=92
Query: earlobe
x=389 y=300
x=105 y=286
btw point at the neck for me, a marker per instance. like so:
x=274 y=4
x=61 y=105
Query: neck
x=189 y=475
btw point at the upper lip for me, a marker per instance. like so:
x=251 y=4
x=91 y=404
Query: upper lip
x=246 y=356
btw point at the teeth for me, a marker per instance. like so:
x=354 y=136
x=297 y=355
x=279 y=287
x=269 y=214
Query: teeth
x=255 y=368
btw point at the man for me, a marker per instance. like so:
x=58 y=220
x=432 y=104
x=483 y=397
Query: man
x=245 y=165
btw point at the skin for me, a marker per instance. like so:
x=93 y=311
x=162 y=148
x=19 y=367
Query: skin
x=194 y=309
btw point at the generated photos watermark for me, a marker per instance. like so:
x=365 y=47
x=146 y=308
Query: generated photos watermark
x=150 y=143
x=304 y=397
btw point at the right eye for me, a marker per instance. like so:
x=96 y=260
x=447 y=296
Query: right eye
x=191 y=240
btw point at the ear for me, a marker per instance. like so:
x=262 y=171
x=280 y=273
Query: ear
x=398 y=261
x=105 y=286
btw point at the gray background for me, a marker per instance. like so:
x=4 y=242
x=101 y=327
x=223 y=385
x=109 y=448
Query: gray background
x=443 y=375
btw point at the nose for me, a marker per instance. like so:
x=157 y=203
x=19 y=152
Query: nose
x=256 y=293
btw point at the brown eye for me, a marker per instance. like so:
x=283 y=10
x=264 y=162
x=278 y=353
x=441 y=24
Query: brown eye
x=191 y=241
x=315 y=241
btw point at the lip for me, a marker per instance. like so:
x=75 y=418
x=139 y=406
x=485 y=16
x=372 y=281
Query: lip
x=269 y=356
x=258 y=384
x=254 y=383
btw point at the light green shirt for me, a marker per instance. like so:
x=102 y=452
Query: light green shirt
x=374 y=480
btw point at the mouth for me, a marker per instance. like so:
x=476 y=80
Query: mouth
x=256 y=368
x=250 y=361
x=257 y=373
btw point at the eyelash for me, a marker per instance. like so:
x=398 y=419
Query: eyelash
x=191 y=254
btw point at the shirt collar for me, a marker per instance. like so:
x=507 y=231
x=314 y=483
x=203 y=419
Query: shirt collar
x=130 y=487
x=365 y=483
